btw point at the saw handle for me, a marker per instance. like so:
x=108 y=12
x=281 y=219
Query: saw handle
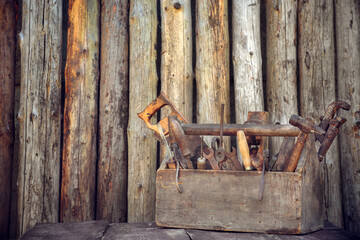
x=154 y=107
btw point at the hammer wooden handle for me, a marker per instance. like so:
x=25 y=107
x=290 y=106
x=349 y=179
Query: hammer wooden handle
x=244 y=149
x=296 y=152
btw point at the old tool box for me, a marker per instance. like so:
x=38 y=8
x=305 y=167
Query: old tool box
x=228 y=200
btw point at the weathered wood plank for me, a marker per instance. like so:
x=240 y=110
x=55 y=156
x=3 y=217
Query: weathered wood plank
x=348 y=85
x=281 y=64
x=246 y=58
x=39 y=114
x=70 y=231
x=7 y=91
x=113 y=112
x=80 y=112
x=316 y=57
x=176 y=56
x=142 y=90
x=212 y=62
x=142 y=231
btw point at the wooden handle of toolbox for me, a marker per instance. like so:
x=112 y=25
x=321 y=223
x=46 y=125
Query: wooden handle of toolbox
x=244 y=149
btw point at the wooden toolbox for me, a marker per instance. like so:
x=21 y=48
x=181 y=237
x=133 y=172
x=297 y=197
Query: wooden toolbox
x=228 y=200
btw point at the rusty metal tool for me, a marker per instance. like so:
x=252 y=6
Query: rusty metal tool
x=306 y=128
x=279 y=130
x=220 y=151
x=329 y=114
x=211 y=158
x=330 y=135
x=178 y=136
x=232 y=156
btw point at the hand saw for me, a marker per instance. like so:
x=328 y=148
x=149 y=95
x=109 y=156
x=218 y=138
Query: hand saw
x=190 y=146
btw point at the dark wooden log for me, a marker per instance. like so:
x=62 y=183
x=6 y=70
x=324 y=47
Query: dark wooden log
x=113 y=112
x=348 y=87
x=39 y=114
x=142 y=90
x=80 y=112
x=7 y=90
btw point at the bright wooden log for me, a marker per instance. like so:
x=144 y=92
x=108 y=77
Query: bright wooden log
x=212 y=62
x=80 y=112
x=7 y=86
x=281 y=65
x=142 y=90
x=316 y=57
x=348 y=85
x=113 y=112
x=176 y=56
x=247 y=61
x=39 y=114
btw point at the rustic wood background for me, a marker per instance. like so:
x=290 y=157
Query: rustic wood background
x=74 y=73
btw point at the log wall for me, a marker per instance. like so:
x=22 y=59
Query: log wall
x=7 y=91
x=119 y=54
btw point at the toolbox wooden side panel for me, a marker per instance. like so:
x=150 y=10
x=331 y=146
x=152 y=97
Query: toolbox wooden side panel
x=207 y=195
x=312 y=192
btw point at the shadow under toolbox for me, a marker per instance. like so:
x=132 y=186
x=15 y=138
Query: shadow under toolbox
x=228 y=200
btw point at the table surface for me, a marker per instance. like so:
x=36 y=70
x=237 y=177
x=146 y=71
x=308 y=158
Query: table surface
x=104 y=230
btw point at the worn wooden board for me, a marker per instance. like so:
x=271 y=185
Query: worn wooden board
x=142 y=90
x=68 y=231
x=316 y=58
x=348 y=86
x=80 y=112
x=246 y=57
x=212 y=63
x=176 y=55
x=143 y=231
x=281 y=42
x=7 y=91
x=39 y=115
x=228 y=200
x=113 y=112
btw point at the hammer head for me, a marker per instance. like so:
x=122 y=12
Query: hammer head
x=305 y=125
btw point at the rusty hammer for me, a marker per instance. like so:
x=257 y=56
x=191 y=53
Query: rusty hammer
x=305 y=127
x=330 y=135
x=329 y=114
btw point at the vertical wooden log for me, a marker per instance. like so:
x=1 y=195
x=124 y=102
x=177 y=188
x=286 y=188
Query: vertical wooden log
x=281 y=63
x=348 y=85
x=212 y=61
x=316 y=56
x=113 y=112
x=80 y=112
x=142 y=90
x=176 y=56
x=39 y=115
x=249 y=95
x=7 y=86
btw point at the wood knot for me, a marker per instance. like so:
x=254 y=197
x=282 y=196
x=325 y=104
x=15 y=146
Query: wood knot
x=177 y=5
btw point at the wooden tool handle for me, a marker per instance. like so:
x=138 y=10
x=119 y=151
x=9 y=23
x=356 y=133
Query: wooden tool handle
x=244 y=149
x=154 y=107
x=296 y=152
